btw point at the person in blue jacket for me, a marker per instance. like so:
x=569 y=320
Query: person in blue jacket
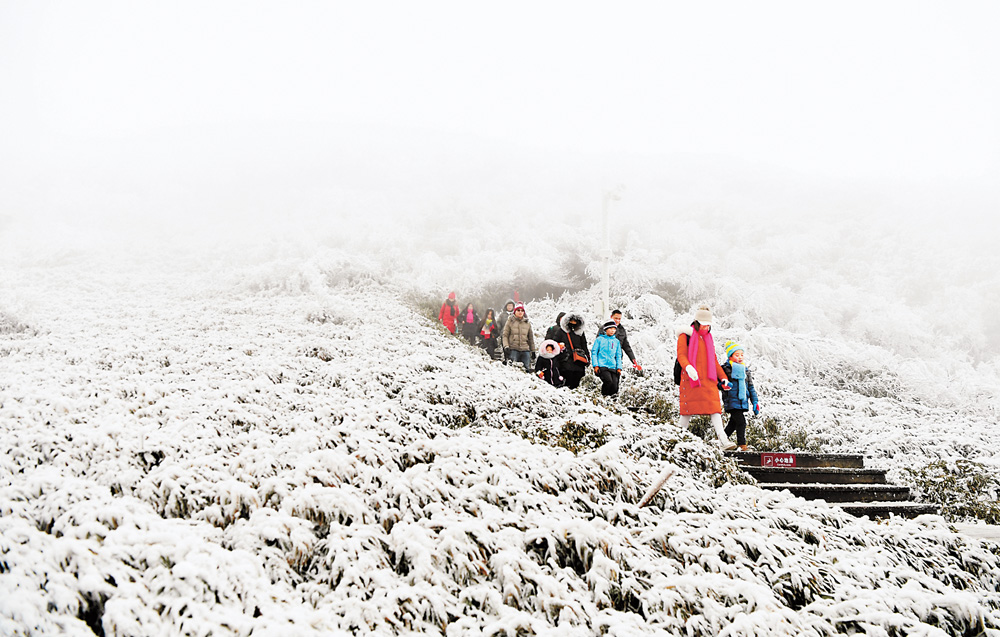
x=741 y=395
x=606 y=357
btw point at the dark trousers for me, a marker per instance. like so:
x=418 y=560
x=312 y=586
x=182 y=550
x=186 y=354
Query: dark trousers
x=490 y=345
x=573 y=378
x=609 y=381
x=738 y=423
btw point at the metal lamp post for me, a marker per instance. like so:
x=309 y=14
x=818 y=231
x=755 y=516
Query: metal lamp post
x=609 y=196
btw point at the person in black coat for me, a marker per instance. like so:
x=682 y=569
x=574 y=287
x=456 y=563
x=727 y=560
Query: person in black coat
x=489 y=333
x=552 y=334
x=572 y=337
x=469 y=321
x=547 y=365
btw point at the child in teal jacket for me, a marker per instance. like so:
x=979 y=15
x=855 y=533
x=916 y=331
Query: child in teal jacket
x=606 y=357
x=742 y=395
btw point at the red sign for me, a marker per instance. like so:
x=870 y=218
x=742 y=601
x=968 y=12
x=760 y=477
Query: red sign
x=777 y=459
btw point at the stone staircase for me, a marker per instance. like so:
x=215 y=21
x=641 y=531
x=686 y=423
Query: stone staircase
x=840 y=479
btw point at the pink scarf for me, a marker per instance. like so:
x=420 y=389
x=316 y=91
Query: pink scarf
x=697 y=337
x=468 y=317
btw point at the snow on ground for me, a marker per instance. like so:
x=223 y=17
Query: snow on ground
x=194 y=447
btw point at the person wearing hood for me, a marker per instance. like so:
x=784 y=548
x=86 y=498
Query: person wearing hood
x=552 y=334
x=575 y=357
x=701 y=375
x=448 y=315
x=469 y=320
x=607 y=357
x=489 y=332
x=546 y=366
x=505 y=314
x=518 y=338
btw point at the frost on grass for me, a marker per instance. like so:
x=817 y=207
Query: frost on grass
x=287 y=474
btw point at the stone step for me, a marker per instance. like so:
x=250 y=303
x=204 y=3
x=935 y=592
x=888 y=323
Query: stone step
x=836 y=493
x=797 y=459
x=823 y=475
x=875 y=510
x=837 y=478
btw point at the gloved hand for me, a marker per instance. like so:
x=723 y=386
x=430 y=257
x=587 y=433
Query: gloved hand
x=756 y=409
x=541 y=375
x=725 y=385
x=597 y=371
x=691 y=372
x=506 y=352
x=637 y=366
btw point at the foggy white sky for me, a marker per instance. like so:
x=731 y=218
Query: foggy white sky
x=140 y=110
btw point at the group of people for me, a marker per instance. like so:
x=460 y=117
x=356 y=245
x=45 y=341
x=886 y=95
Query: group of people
x=564 y=356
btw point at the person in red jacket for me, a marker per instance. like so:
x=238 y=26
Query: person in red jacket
x=701 y=375
x=449 y=313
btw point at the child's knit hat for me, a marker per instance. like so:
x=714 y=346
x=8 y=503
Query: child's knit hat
x=607 y=324
x=732 y=347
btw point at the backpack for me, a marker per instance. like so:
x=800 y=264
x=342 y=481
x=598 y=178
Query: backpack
x=677 y=367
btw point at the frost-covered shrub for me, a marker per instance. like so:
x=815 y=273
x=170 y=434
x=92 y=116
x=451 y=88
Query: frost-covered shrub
x=701 y=426
x=769 y=434
x=319 y=352
x=572 y=435
x=867 y=381
x=10 y=325
x=252 y=488
x=638 y=397
x=965 y=490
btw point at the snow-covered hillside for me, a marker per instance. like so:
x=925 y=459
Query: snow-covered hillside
x=283 y=444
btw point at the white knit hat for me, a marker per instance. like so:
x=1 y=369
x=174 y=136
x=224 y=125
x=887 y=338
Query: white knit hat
x=703 y=315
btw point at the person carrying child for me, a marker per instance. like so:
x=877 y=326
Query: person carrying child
x=701 y=375
x=546 y=366
x=606 y=355
x=739 y=399
x=489 y=331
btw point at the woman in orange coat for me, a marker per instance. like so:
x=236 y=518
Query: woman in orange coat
x=701 y=374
